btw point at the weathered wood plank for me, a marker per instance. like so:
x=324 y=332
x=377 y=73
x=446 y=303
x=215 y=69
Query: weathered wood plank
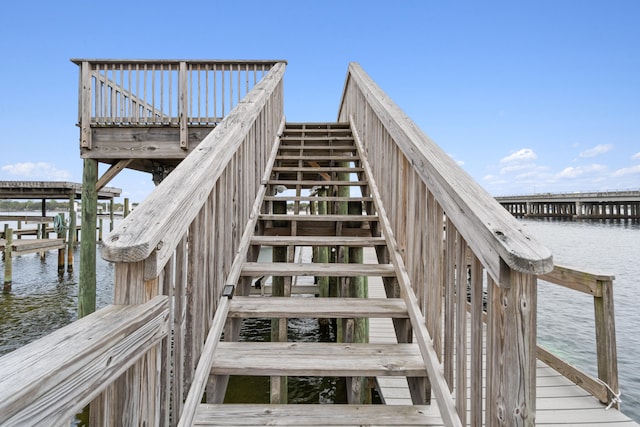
x=317 y=241
x=283 y=269
x=317 y=307
x=51 y=379
x=583 y=281
x=318 y=218
x=316 y=415
x=22 y=247
x=317 y=359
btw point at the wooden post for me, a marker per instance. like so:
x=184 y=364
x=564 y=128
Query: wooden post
x=279 y=385
x=8 y=268
x=100 y=230
x=511 y=350
x=125 y=212
x=87 y=285
x=323 y=252
x=605 y=324
x=43 y=231
x=111 y=222
x=71 y=232
x=19 y=236
x=60 y=235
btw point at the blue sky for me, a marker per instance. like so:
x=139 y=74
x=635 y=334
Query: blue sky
x=528 y=96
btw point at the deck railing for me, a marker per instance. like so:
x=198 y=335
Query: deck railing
x=606 y=386
x=162 y=92
x=443 y=221
x=181 y=242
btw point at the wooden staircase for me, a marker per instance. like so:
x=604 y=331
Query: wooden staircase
x=320 y=165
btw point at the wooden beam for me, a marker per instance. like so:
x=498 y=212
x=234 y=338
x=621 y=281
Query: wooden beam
x=111 y=173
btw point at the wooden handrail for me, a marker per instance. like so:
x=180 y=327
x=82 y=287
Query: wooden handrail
x=51 y=379
x=485 y=225
x=444 y=222
x=181 y=242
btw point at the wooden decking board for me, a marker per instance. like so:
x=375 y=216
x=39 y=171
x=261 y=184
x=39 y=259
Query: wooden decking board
x=317 y=241
x=317 y=359
x=316 y=415
x=245 y=307
x=257 y=269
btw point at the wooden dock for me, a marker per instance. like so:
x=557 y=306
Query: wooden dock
x=454 y=276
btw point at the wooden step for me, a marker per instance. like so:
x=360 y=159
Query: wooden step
x=284 y=269
x=299 y=307
x=328 y=144
x=318 y=241
x=316 y=415
x=318 y=218
x=317 y=359
x=310 y=183
x=319 y=158
x=317 y=199
x=310 y=169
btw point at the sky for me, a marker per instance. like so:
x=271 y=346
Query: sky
x=527 y=96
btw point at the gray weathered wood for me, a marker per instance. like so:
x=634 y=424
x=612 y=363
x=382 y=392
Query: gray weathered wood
x=49 y=380
x=317 y=359
x=317 y=307
x=427 y=351
x=257 y=269
x=144 y=231
x=316 y=415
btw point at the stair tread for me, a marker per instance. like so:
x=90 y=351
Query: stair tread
x=257 y=269
x=299 y=307
x=316 y=415
x=317 y=241
x=317 y=359
x=317 y=218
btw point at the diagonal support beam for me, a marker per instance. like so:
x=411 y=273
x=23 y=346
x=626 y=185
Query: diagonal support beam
x=111 y=173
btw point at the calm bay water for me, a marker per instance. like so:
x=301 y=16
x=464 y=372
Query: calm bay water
x=41 y=301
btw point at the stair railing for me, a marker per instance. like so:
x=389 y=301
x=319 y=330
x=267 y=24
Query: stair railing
x=181 y=242
x=443 y=221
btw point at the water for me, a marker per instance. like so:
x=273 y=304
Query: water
x=41 y=301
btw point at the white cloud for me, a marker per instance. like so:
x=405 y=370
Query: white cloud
x=597 y=150
x=636 y=156
x=523 y=154
x=572 y=172
x=36 y=170
x=627 y=171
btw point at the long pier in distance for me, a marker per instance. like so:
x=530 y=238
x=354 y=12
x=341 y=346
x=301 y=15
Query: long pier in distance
x=588 y=205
